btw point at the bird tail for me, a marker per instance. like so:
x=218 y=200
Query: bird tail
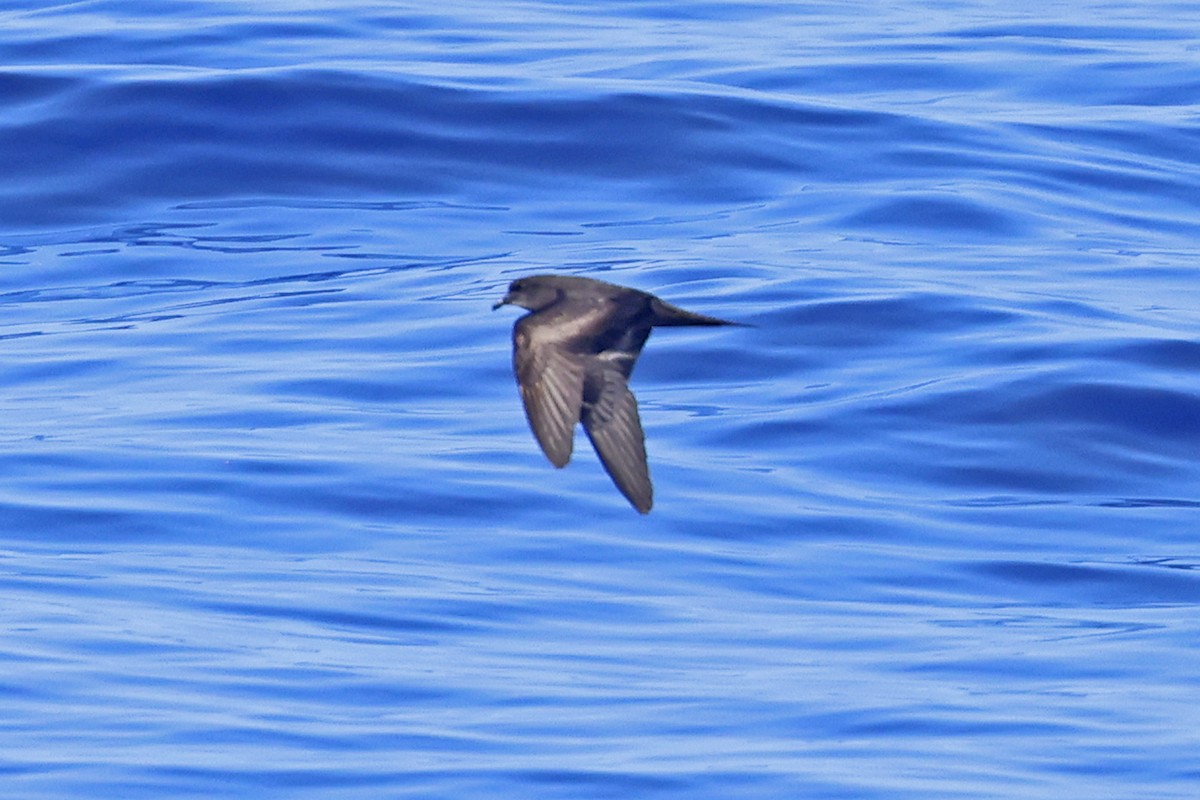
x=668 y=315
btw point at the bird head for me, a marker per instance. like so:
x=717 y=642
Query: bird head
x=531 y=293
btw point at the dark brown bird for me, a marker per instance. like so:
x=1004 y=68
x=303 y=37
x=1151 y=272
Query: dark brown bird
x=573 y=356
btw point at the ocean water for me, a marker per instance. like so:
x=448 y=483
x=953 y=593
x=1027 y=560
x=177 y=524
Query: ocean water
x=271 y=520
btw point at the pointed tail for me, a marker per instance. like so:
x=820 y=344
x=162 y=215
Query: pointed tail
x=666 y=314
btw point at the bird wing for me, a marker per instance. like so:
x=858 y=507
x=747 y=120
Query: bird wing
x=550 y=378
x=612 y=423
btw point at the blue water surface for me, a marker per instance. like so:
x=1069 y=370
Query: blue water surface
x=271 y=520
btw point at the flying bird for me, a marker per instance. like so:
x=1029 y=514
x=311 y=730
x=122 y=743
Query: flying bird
x=573 y=355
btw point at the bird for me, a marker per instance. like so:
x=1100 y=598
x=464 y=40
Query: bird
x=573 y=355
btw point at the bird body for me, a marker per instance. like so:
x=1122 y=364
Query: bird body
x=573 y=355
